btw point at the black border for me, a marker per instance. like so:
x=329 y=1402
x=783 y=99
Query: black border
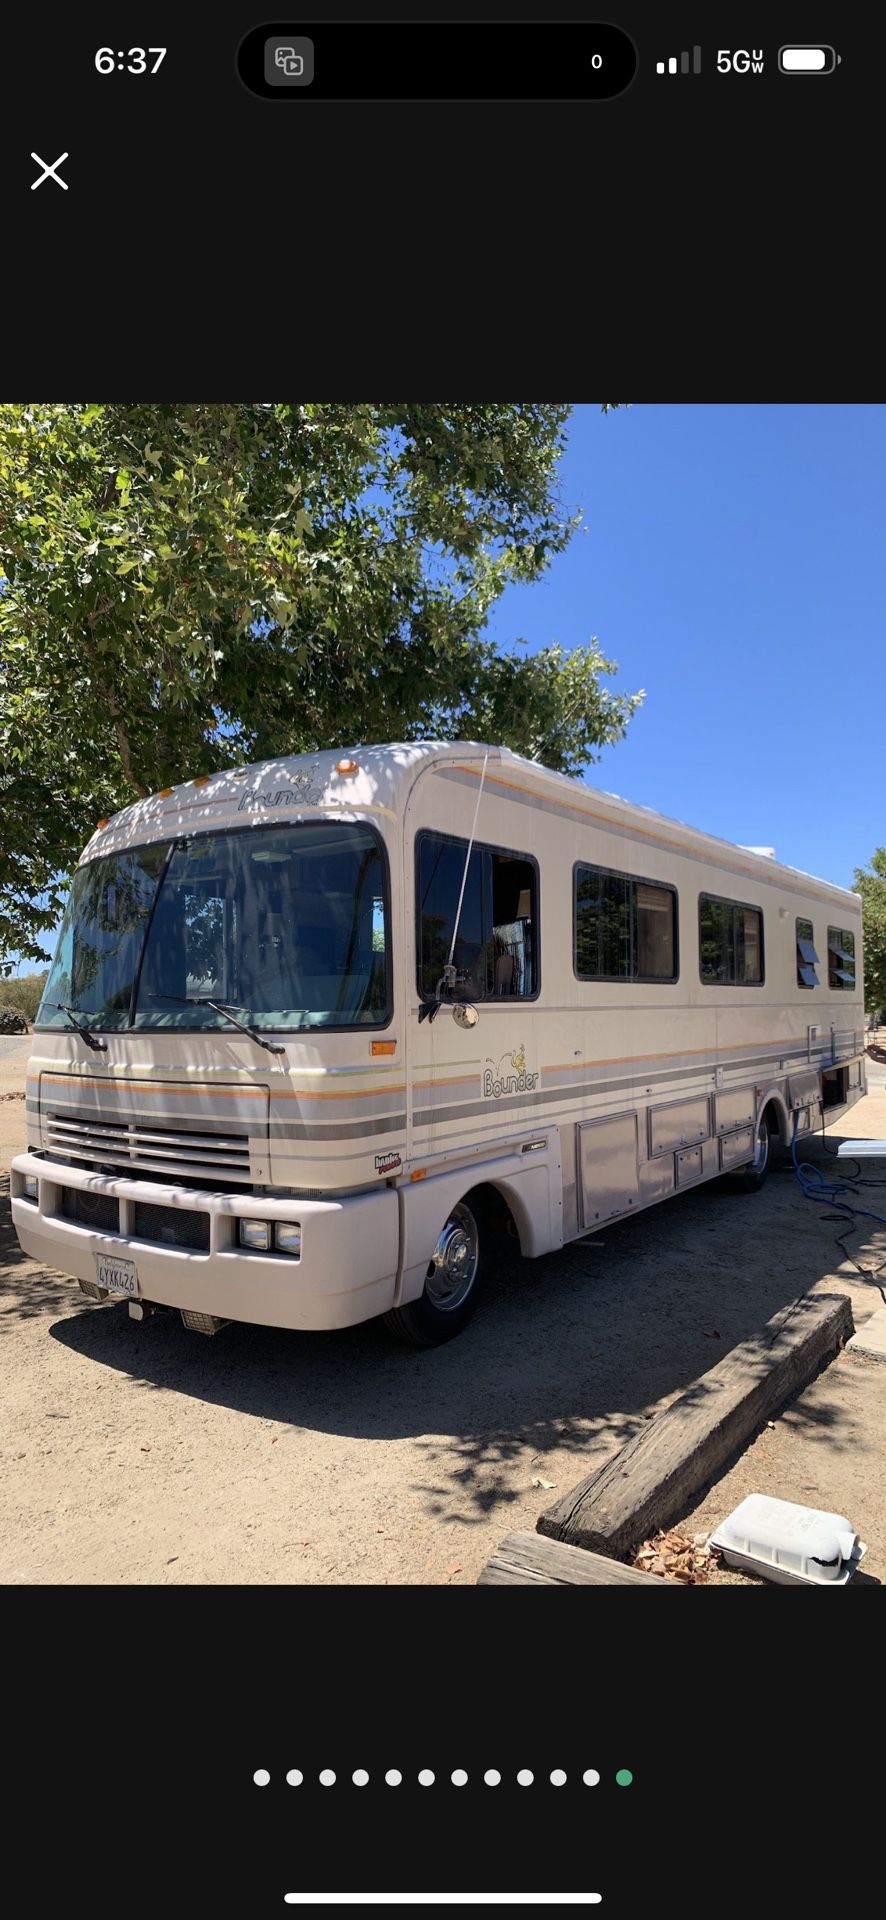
x=626 y=979
x=843 y=986
x=477 y=846
x=747 y=906
x=804 y=985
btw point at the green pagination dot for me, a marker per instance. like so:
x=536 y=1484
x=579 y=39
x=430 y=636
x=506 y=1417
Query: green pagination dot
x=623 y=1777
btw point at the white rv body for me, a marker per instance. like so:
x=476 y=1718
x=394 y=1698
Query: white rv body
x=578 y=1100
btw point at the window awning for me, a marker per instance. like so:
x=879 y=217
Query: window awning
x=808 y=976
x=807 y=953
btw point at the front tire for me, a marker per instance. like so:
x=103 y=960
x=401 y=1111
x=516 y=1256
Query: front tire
x=751 y=1179
x=451 y=1291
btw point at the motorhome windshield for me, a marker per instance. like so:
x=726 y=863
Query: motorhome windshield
x=286 y=925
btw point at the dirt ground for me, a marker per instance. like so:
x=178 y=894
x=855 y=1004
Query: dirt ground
x=142 y=1453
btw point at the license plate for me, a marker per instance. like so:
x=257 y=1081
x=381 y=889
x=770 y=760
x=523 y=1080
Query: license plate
x=119 y=1276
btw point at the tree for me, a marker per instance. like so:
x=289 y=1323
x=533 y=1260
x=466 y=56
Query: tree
x=871 y=884
x=184 y=587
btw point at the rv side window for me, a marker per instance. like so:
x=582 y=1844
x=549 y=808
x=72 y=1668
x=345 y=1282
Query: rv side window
x=623 y=929
x=730 y=943
x=841 y=960
x=496 y=949
x=807 y=958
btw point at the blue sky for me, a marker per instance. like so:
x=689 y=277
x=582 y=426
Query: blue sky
x=731 y=561
x=733 y=565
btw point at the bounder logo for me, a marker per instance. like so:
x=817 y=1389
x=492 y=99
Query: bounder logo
x=301 y=789
x=510 y=1076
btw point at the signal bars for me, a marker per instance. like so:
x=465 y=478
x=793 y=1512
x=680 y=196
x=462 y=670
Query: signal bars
x=670 y=65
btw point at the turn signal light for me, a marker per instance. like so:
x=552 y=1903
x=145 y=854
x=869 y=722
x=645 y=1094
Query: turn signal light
x=378 y=1047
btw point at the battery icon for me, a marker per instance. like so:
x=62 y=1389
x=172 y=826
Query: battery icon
x=807 y=59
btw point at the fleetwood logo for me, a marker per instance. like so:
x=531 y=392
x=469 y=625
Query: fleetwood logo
x=510 y=1076
x=301 y=790
x=387 y=1162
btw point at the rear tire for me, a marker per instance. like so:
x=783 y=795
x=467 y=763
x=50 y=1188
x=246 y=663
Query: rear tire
x=751 y=1179
x=452 y=1284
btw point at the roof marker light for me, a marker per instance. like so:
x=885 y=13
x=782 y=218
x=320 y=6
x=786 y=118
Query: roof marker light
x=101 y=823
x=202 y=779
x=164 y=793
x=346 y=766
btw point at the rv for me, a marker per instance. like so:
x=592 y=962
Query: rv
x=317 y=1030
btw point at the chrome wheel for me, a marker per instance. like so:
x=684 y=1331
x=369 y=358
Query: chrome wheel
x=454 y=1261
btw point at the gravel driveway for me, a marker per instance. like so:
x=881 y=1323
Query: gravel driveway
x=147 y=1454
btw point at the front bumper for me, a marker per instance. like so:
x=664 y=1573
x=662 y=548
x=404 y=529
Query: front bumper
x=347 y=1271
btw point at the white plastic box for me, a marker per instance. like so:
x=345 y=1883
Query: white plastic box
x=789 y=1544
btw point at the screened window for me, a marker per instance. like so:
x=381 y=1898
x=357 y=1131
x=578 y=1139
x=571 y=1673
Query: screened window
x=730 y=939
x=496 y=947
x=841 y=960
x=623 y=929
x=807 y=958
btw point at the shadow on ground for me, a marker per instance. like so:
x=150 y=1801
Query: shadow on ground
x=568 y=1353
x=565 y=1350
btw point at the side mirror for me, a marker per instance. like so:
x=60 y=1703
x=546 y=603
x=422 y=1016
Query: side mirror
x=464 y=1015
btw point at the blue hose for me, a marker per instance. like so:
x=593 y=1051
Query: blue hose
x=816 y=1186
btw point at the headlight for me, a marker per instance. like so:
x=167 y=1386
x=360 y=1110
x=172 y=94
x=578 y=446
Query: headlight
x=287 y=1237
x=255 y=1234
x=29 y=1186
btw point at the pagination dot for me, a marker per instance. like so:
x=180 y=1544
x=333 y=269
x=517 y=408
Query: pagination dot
x=591 y=1778
x=524 y=1777
x=492 y=1778
x=459 y=1778
x=426 y=1778
x=393 y=1778
x=261 y=1776
x=294 y=1778
x=623 y=1777
x=558 y=1777
x=327 y=1777
x=361 y=1777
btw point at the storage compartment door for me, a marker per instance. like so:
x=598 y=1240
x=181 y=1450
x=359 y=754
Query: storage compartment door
x=608 y=1172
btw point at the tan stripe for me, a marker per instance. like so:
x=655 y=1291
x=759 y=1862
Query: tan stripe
x=678 y=1053
x=356 y=1093
x=634 y=831
x=457 y=1080
x=154 y=1086
x=215 y=1093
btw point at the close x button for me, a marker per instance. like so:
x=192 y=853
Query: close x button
x=50 y=172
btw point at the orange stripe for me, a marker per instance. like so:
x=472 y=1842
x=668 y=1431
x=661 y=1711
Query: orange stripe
x=630 y=828
x=361 y=1093
x=457 y=1080
x=213 y=1093
x=152 y=1086
x=629 y=1059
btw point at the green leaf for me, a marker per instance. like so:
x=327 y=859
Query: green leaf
x=305 y=575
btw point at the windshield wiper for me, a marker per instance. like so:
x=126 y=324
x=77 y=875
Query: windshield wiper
x=222 y=1007
x=86 y=1033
